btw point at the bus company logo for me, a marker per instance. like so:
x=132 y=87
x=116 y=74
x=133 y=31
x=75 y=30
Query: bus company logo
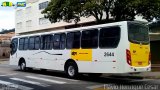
x=7 y=4
x=21 y=4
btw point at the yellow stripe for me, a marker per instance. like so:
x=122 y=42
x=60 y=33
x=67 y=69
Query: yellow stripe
x=81 y=54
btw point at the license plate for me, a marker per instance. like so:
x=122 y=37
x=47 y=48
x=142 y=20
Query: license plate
x=139 y=63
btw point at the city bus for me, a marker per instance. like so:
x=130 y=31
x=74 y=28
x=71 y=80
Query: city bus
x=115 y=48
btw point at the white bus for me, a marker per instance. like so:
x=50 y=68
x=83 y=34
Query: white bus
x=120 y=47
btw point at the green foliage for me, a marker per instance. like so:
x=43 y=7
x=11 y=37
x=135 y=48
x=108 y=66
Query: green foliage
x=124 y=10
x=149 y=9
x=72 y=10
x=66 y=10
x=4 y=31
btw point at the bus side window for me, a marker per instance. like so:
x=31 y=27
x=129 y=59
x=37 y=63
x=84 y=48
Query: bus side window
x=59 y=41
x=89 y=39
x=63 y=41
x=26 y=44
x=34 y=43
x=109 y=37
x=37 y=43
x=21 y=44
x=56 y=43
x=14 y=44
x=46 y=42
x=73 y=40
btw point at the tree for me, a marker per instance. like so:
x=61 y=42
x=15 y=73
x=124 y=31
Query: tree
x=97 y=9
x=124 y=10
x=66 y=10
x=149 y=9
x=72 y=10
x=93 y=8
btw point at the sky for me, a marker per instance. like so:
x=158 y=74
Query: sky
x=7 y=15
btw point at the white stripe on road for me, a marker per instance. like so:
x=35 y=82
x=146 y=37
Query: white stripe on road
x=59 y=78
x=30 y=82
x=12 y=85
x=48 y=80
x=9 y=74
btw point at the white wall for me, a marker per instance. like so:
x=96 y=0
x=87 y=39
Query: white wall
x=23 y=15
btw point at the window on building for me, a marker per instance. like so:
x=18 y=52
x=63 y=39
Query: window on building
x=109 y=37
x=73 y=40
x=43 y=5
x=29 y=23
x=19 y=13
x=59 y=41
x=43 y=21
x=46 y=42
x=89 y=39
x=28 y=10
x=19 y=25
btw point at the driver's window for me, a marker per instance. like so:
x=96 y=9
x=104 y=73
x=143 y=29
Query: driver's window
x=14 y=44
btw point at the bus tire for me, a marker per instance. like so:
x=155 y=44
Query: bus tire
x=72 y=70
x=22 y=65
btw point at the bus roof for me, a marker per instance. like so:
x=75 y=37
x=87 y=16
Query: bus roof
x=79 y=28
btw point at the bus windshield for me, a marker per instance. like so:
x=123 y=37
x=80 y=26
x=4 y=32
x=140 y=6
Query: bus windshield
x=138 y=33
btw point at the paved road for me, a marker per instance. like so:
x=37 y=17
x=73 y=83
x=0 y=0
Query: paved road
x=13 y=79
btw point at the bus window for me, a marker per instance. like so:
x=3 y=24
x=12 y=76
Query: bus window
x=89 y=39
x=14 y=45
x=26 y=44
x=21 y=43
x=46 y=42
x=138 y=33
x=37 y=43
x=59 y=41
x=31 y=43
x=109 y=37
x=63 y=41
x=73 y=40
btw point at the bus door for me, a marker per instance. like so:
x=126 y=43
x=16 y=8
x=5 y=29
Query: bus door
x=13 y=46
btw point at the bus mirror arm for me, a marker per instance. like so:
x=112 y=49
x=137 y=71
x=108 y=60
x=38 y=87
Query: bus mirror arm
x=10 y=45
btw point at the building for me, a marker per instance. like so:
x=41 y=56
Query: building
x=30 y=19
x=5 y=40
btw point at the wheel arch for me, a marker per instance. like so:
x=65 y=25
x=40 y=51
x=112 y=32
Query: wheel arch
x=69 y=61
x=21 y=60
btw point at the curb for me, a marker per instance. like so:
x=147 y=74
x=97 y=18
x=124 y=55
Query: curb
x=7 y=59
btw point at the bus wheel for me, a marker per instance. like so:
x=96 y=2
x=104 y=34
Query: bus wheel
x=22 y=66
x=72 y=70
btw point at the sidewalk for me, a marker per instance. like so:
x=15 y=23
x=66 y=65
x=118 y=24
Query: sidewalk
x=4 y=61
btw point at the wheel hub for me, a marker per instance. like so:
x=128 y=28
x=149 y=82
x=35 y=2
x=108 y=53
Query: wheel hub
x=71 y=71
